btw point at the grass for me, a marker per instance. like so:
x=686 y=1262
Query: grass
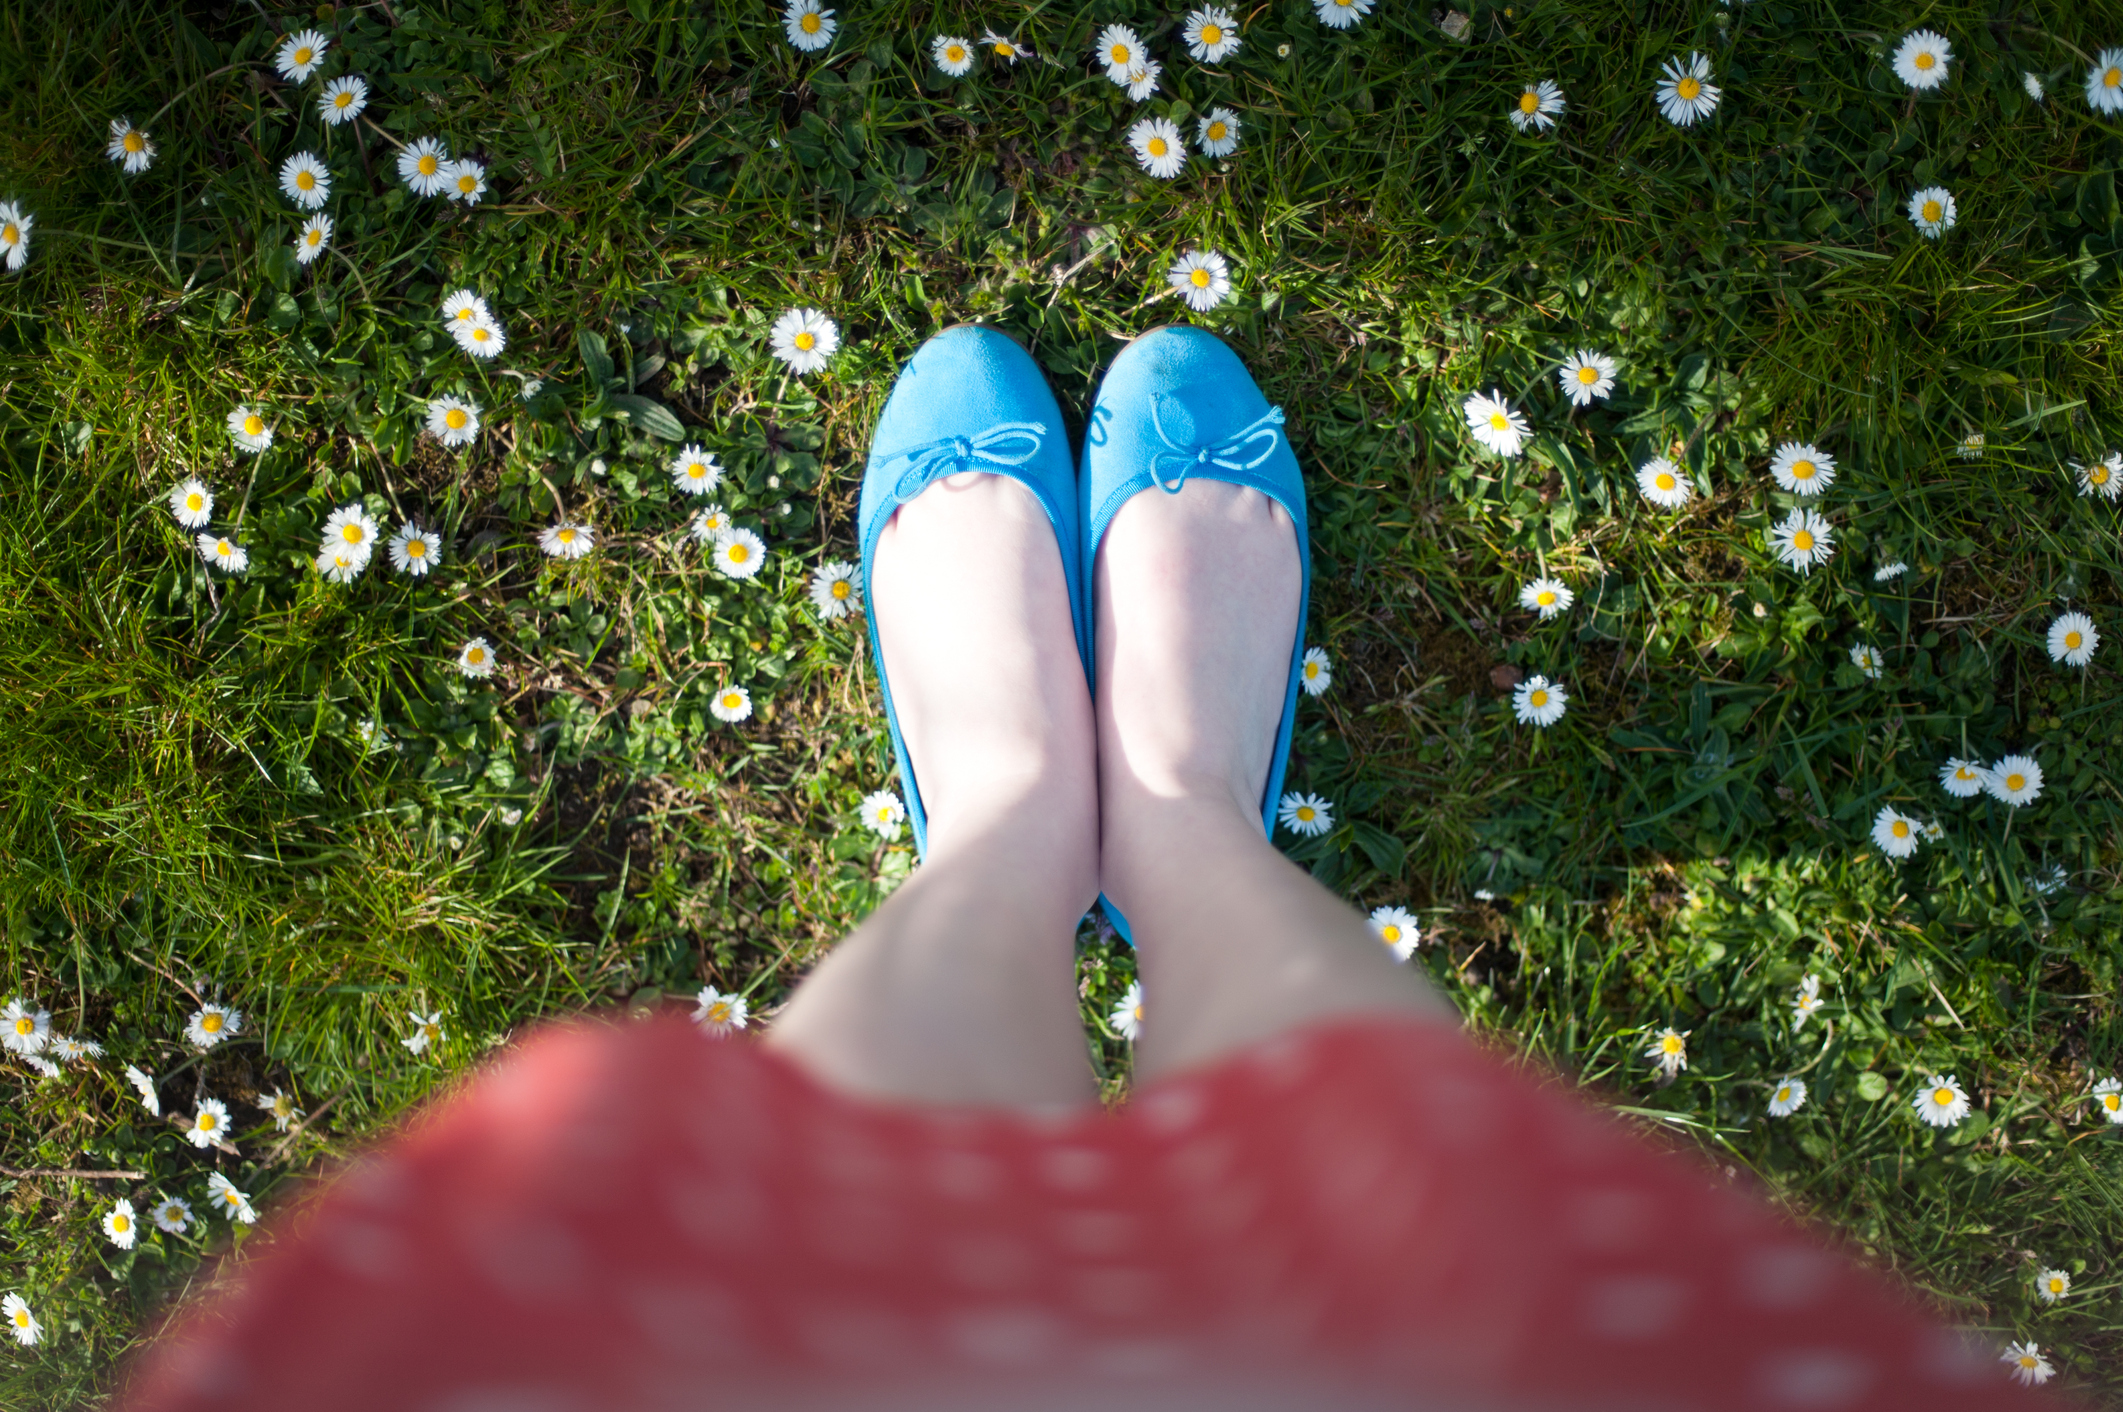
x=191 y=808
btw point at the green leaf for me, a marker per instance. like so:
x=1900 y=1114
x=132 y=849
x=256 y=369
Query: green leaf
x=648 y=414
x=1386 y=852
x=1872 y=1087
x=596 y=359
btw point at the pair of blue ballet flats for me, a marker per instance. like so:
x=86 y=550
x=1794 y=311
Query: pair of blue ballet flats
x=1177 y=403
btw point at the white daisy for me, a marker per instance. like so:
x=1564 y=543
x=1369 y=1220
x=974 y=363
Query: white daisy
x=740 y=553
x=340 y=565
x=1921 y=60
x=1539 y=702
x=20 y=1322
x=1306 y=814
x=43 y=1065
x=1547 y=597
x=299 y=56
x=282 y=1106
x=1669 y=1050
x=312 y=240
x=836 y=589
x=481 y=337
x=465 y=180
x=249 y=431
x=804 y=339
x=2016 y=780
x=2072 y=639
x=1789 y=1097
x=222 y=1193
x=1396 y=928
x=2033 y=85
x=1933 y=212
x=1127 y=1017
x=172 y=1214
x=1004 y=48
x=882 y=814
x=1891 y=570
x=1686 y=93
x=211 y=1023
x=415 y=550
x=2052 y=1285
x=130 y=147
x=1158 y=148
x=342 y=100
x=305 y=180
x=2108 y=1099
x=144 y=1084
x=1494 y=423
x=1340 y=14
x=1663 y=484
x=1895 y=834
x=421 y=165
x=476 y=658
x=711 y=524
x=2049 y=881
x=1217 y=132
x=1806 y=1003
x=427 y=1032
x=1971 y=446
x=1315 y=673
x=453 y=421
x=731 y=704
x=567 y=540
x=1119 y=50
x=120 y=1225
x=2028 y=1365
x=66 y=1049
x=223 y=553
x=1802 y=468
x=694 y=470
x=1963 y=779
x=808 y=26
x=1586 y=375
x=1803 y=540
x=1202 y=278
x=2103 y=477
x=2104 y=82
x=1866 y=658
x=1942 y=1102
x=1211 y=34
x=350 y=528
x=192 y=504
x=952 y=54
x=1537 y=106
x=209 y=1123
x=15 y=226
x=719 y=1014
x=462 y=309
x=1141 y=81
x=24 y=1028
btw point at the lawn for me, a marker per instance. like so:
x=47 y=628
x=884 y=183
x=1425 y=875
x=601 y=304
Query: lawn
x=278 y=793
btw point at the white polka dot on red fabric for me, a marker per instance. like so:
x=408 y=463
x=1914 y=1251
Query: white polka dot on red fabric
x=1814 y=1377
x=1137 y=1359
x=367 y=1249
x=965 y=1176
x=208 y=1368
x=1202 y=1162
x=1096 y=1233
x=1609 y=1218
x=1631 y=1308
x=852 y=1228
x=523 y=1397
x=696 y=1317
x=1074 y=1168
x=1005 y=1336
x=724 y=1215
x=990 y=1261
x=1171 y=1109
x=858 y=1336
x=1784 y=1276
x=1116 y=1291
x=526 y=1256
x=1283 y=1062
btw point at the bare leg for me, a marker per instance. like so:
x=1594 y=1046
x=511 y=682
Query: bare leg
x=961 y=987
x=1197 y=607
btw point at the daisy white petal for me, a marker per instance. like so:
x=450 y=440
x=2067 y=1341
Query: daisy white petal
x=306 y=180
x=25 y=1029
x=210 y=1124
x=1396 y=928
x=121 y=1226
x=15 y=226
x=212 y=1023
x=462 y=309
x=453 y=421
x=2052 y=1285
x=2103 y=477
x=342 y=100
x=1537 y=107
x=1202 y=278
x=1787 y=1098
x=2033 y=84
x=1663 y=484
x=2072 y=639
x=711 y=524
x=1807 y=1003
x=282 y=1108
x=952 y=54
x=1895 y=833
x=1803 y=540
x=1494 y=423
x=130 y=147
x=1217 y=132
x=1305 y=814
x=1340 y=14
x=1802 y=468
x=223 y=553
x=222 y=1195
x=836 y=589
x=566 y=540
x=882 y=814
x=350 y=528
x=465 y=180
x=422 y=164
x=314 y=238
x=476 y=658
x=730 y=704
x=740 y=553
x=1211 y=34
x=695 y=470
x=1586 y=375
x=1669 y=1050
x=1932 y=211
x=192 y=504
x=301 y=54
x=2104 y=82
x=1004 y=48
x=808 y=25
x=172 y=1214
x=1119 y=50
x=719 y=1014
x=2014 y=780
x=248 y=429
x=2107 y=1097
x=1686 y=94
x=1942 y=1102
x=1158 y=148
x=2029 y=1367
x=1547 y=597
x=1923 y=59
x=1963 y=779
x=144 y=1084
x=1539 y=702
x=1127 y=1017
x=1866 y=658
x=427 y=1032
x=415 y=550
x=1315 y=673
x=804 y=339
x=20 y=1321
x=1141 y=81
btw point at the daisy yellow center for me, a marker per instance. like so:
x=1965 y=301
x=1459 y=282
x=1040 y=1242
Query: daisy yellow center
x=1138 y=1013
x=1119 y=53
x=2072 y=640
x=2016 y=783
x=1784 y=1094
x=1900 y=829
x=810 y=24
x=731 y=701
x=1546 y=598
x=314 y=237
x=1664 y=480
x=455 y=419
x=1529 y=102
x=211 y=1024
x=1539 y=698
x=1212 y=34
x=2099 y=475
x=253 y=425
x=22 y=1318
x=343 y=99
x=1588 y=375
x=1689 y=89
x=1218 y=131
x=955 y=54
x=1499 y=421
x=1345 y=4
x=467 y=182
x=134 y=142
x=10 y=234
x=2056 y=1286
x=195 y=501
x=305 y=180
x=719 y=1012
x=1927 y=60
x=840 y=589
x=282 y=1106
x=1964 y=773
x=1199 y=279
x=1802 y=470
x=1156 y=146
x=2112 y=79
x=122 y=1223
x=805 y=341
x=884 y=815
x=223 y=548
x=25 y=1025
x=428 y=165
x=1802 y=541
x=1932 y=211
x=566 y=536
x=2112 y=1101
x=696 y=470
x=2027 y=1360
x=475 y=655
x=466 y=315
x=1389 y=934
x=431 y=1032
x=1005 y=51
x=1312 y=671
x=1942 y=1096
x=1305 y=813
x=233 y=1198
x=416 y=549
x=302 y=55
x=480 y=335
x=206 y=1122
x=1671 y=1044
x=739 y=553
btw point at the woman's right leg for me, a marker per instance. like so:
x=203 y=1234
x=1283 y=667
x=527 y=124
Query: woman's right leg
x=1197 y=598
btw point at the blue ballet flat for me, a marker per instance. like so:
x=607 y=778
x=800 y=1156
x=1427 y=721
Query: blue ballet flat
x=970 y=399
x=1178 y=403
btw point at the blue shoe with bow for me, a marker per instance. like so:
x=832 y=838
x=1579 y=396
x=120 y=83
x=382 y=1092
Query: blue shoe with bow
x=970 y=399
x=1178 y=404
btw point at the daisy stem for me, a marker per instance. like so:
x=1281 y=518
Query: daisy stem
x=225 y=68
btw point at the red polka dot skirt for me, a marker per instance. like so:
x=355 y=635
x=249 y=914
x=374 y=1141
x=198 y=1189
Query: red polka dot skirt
x=1372 y=1214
